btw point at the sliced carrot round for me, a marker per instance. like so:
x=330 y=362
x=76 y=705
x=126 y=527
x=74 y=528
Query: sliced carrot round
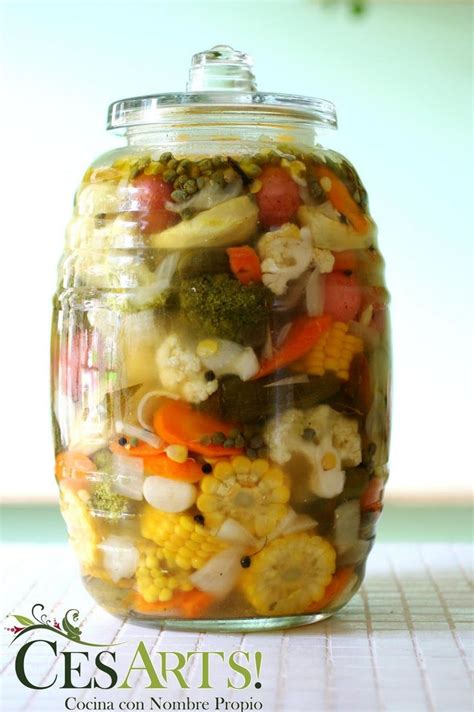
x=189 y=471
x=187 y=604
x=178 y=424
x=142 y=449
x=337 y=584
x=342 y=200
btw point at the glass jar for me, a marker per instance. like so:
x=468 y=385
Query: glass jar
x=221 y=361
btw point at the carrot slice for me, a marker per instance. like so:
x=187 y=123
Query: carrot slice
x=341 y=199
x=245 y=264
x=189 y=471
x=336 y=585
x=345 y=260
x=302 y=336
x=76 y=463
x=178 y=424
x=371 y=499
x=142 y=449
x=189 y=604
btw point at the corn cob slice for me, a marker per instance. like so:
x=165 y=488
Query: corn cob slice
x=185 y=544
x=254 y=493
x=288 y=574
x=333 y=352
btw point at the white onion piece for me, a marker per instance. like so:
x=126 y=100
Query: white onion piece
x=292 y=523
x=219 y=575
x=346 y=526
x=142 y=415
x=357 y=553
x=289 y=380
x=329 y=210
x=209 y=196
x=169 y=495
x=119 y=557
x=267 y=350
x=161 y=281
x=133 y=432
x=283 y=334
x=368 y=334
x=128 y=480
x=315 y=293
x=231 y=530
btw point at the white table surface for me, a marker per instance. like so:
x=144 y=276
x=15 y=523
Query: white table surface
x=404 y=643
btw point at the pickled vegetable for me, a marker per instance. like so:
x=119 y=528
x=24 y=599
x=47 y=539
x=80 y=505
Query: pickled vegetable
x=221 y=384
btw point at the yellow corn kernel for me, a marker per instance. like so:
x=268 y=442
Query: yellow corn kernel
x=330 y=364
x=177 y=453
x=255 y=186
x=329 y=461
x=165 y=595
x=222 y=470
x=207 y=347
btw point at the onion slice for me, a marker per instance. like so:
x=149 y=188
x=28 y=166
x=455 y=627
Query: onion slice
x=315 y=293
x=219 y=575
x=132 y=431
x=141 y=413
x=129 y=477
x=292 y=523
x=233 y=531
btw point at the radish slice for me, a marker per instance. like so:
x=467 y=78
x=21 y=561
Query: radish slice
x=146 y=408
x=119 y=557
x=169 y=495
x=231 y=530
x=219 y=575
x=315 y=293
x=128 y=480
x=133 y=432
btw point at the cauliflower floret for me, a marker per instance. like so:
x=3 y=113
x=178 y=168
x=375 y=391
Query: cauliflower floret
x=327 y=440
x=181 y=371
x=285 y=253
x=323 y=259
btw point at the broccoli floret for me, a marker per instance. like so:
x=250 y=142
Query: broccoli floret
x=219 y=305
x=105 y=500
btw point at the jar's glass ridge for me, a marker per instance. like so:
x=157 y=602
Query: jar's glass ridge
x=221 y=361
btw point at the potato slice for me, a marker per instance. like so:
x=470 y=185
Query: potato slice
x=332 y=234
x=229 y=223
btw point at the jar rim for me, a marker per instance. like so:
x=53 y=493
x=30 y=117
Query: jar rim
x=159 y=109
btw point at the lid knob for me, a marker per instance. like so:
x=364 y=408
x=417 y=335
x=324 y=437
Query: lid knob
x=221 y=68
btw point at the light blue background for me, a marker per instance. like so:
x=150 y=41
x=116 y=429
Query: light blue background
x=401 y=77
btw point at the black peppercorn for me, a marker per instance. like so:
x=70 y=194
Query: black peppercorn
x=210 y=376
x=245 y=562
x=122 y=441
x=206 y=468
x=199 y=519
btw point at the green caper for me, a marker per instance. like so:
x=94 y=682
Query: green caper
x=180 y=181
x=169 y=175
x=251 y=170
x=205 y=165
x=165 y=157
x=190 y=186
x=187 y=214
x=172 y=163
x=179 y=196
x=217 y=161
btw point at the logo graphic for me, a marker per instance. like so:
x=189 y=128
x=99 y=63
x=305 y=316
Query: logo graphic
x=40 y=621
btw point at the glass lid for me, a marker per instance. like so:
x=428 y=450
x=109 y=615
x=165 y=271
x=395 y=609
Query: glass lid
x=220 y=80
